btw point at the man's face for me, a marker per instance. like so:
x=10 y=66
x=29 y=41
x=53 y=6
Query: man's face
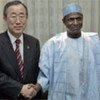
x=16 y=19
x=73 y=22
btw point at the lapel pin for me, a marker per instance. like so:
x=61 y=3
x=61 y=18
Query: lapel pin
x=28 y=47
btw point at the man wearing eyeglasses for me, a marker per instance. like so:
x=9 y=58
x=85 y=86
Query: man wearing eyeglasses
x=19 y=55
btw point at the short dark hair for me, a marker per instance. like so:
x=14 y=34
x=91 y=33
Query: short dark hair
x=11 y=3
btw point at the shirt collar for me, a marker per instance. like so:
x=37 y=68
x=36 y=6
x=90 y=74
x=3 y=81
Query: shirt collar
x=13 y=39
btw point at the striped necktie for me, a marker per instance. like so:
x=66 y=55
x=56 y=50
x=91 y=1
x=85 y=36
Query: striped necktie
x=18 y=57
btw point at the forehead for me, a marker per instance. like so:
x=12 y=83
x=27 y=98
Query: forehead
x=16 y=8
x=74 y=15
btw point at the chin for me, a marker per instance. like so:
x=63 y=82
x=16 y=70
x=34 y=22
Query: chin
x=76 y=31
x=18 y=32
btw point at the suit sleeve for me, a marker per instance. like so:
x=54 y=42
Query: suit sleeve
x=8 y=86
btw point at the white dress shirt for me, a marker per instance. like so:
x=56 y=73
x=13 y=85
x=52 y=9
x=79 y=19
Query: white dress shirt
x=21 y=45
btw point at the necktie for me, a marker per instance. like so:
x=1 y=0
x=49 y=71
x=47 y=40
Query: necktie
x=18 y=57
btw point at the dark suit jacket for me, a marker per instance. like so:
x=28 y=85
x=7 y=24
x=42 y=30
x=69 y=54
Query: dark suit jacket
x=10 y=78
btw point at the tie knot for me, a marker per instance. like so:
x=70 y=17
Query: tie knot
x=17 y=41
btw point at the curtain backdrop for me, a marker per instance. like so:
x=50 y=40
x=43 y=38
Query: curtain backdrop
x=45 y=17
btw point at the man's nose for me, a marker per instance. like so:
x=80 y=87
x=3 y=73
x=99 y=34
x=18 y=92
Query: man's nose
x=75 y=21
x=17 y=19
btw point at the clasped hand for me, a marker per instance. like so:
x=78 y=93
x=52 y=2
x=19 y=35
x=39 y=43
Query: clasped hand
x=28 y=91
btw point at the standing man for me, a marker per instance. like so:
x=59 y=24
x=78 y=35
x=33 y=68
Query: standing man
x=67 y=64
x=19 y=55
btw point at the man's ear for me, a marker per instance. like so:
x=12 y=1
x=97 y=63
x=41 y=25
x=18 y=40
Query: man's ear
x=5 y=18
x=63 y=20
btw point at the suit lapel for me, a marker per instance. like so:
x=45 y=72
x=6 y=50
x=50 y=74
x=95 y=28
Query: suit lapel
x=9 y=52
x=27 y=55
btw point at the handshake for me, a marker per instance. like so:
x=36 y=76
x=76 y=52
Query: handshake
x=30 y=90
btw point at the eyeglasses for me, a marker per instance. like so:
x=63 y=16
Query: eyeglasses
x=15 y=17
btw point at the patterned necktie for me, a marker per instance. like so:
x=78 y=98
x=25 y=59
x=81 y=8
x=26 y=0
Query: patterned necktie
x=18 y=57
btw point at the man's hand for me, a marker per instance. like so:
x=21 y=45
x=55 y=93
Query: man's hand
x=37 y=87
x=28 y=91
